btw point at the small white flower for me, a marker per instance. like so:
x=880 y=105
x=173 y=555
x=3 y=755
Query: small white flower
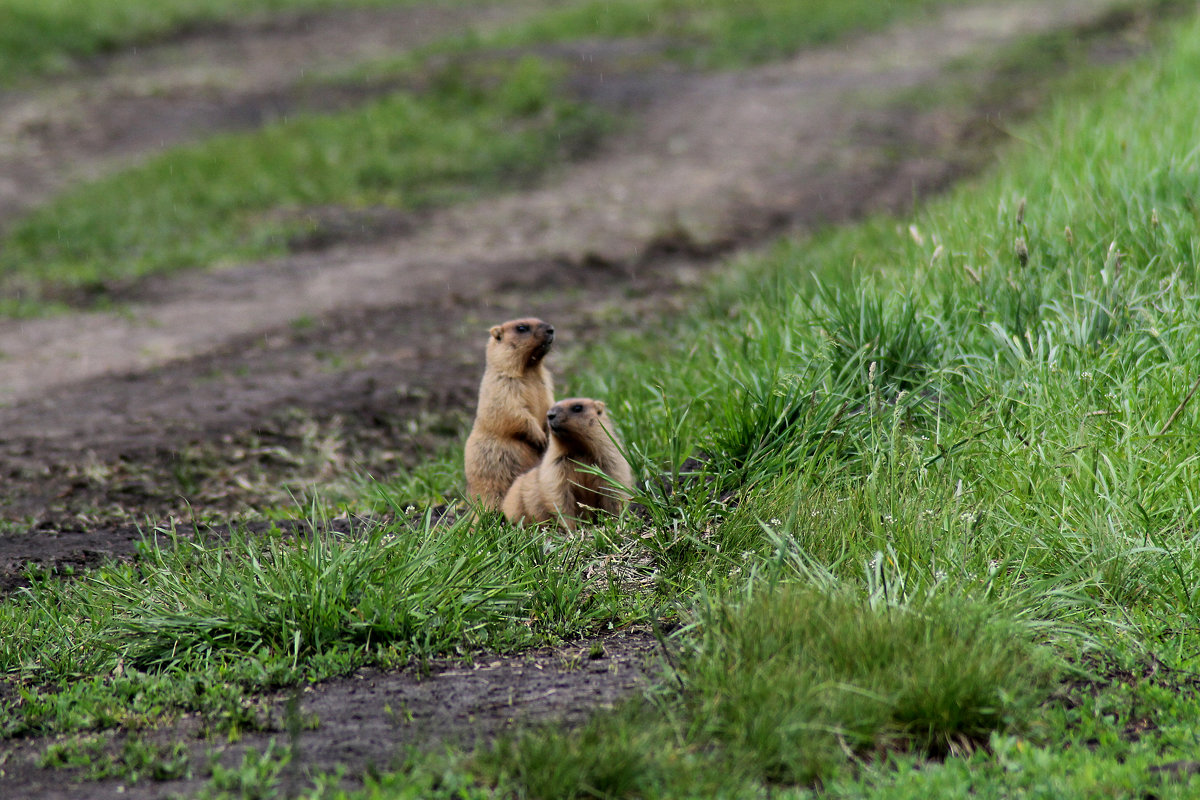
x=775 y=521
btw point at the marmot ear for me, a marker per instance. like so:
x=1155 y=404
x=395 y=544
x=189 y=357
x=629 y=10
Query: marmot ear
x=497 y=331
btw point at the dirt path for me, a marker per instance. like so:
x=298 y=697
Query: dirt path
x=209 y=390
x=714 y=162
x=215 y=78
x=716 y=157
x=371 y=718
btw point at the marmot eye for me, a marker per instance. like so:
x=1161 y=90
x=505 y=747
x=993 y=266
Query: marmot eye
x=522 y=329
x=577 y=408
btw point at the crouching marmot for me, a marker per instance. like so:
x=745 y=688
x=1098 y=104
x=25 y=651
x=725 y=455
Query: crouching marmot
x=509 y=434
x=565 y=486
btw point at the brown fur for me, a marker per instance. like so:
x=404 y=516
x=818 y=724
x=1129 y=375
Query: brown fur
x=560 y=489
x=509 y=434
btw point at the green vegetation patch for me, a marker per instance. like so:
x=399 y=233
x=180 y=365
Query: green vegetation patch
x=481 y=123
x=253 y=613
x=41 y=36
x=786 y=686
x=995 y=400
x=715 y=33
x=244 y=196
x=794 y=675
x=997 y=391
x=136 y=759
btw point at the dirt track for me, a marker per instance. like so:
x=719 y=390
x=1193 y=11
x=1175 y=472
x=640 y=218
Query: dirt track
x=208 y=390
x=370 y=718
x=102 y=409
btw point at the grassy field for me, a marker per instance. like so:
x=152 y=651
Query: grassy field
x=990 y=403
x=41 y=36
x=50 y=36
x=948 y=508
x=476 y=125
x=702 y=33
x=192 y=207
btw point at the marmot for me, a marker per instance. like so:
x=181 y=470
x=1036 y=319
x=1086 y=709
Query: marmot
x=509 y=434
x=562 y=487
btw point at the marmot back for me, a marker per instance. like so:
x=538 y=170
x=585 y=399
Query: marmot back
x=509 y=434
x=562 y=487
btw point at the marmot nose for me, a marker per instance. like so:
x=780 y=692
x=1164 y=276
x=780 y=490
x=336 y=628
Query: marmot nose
x=549 y=330
x=552 y=414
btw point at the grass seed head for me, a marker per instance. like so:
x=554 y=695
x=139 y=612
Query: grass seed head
x=1022 y=250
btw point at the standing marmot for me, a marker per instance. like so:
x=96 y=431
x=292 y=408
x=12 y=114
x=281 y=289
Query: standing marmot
x=509 y=434
x=559 y=488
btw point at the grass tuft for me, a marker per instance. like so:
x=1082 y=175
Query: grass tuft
x=789 y=685
x=792 y=678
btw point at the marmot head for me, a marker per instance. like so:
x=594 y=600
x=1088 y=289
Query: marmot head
x=519 y=343
x=580 y=421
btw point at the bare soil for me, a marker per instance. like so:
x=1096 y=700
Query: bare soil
x=206 y=394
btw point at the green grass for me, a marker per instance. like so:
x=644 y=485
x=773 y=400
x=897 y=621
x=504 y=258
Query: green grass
x=995 y=402
x=49 y=36
x=478 y=126
x=136 y=760
x=244 y=196
x=943 y=541
x=704 y=33
x=785 y=686
x=991 y=400
x=250 y=614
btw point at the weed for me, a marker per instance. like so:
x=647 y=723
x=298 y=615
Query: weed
x=255 y=778
x=135 y=759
